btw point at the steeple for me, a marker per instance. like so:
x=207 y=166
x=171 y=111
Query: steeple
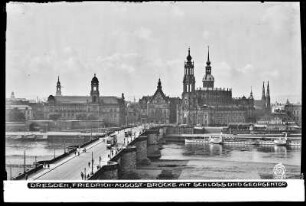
x=208 y=79
x=189 y=79
x=58 y=88
x=208 y=61
x=268 y=99
x=159 y=86
x=251 y=94
x=94 y=93
x=189 y=57
x=263 y=96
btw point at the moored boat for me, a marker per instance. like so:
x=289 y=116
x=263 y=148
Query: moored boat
x=29 y=137
x=282 y=141
x=196 y=141
x=216 y=139
x=41 y=137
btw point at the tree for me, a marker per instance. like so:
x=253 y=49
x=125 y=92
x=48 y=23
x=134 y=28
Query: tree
x=34 y=127
x=81 y=117
x=15 y=115
x=92 y=117
x=54 y=116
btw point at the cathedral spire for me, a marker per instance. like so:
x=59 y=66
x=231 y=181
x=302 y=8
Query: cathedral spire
x=189 y=57
x=159 y=86
x=208 y=61
x=263 y=96
x=268 y=101
x=251 y=94
x=58 y=87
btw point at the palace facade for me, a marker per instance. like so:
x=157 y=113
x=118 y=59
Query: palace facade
x=110 y=110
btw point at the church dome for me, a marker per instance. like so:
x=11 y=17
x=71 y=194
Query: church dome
x=208 y=77
x=94 y=79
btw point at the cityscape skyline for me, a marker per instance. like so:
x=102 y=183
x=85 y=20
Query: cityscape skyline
x=45 y=41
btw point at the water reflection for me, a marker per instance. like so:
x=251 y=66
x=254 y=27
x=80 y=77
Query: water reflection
x=215 y=149
x=243 y=153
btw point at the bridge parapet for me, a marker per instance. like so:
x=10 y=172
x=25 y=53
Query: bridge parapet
x=107 y=172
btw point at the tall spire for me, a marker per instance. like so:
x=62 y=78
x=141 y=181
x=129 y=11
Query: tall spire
x=251 y=94
x=268 y=99
x=58 y=87
x=159 y=86
x=189 y=57
x=208 y=61
x=263 y=96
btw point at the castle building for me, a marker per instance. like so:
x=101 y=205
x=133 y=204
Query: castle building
x=209 y=105
x=110 y=110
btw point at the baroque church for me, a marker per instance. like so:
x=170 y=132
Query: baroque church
x=110 y=110
x=208 y=105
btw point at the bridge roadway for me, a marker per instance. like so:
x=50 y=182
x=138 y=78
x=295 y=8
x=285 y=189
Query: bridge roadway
x=70 y=168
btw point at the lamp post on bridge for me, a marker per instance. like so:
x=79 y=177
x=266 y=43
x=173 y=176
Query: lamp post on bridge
x=92 y=162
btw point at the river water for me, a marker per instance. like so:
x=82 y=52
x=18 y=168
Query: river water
x=45 y=150
x=250 y=153
x=16 y=151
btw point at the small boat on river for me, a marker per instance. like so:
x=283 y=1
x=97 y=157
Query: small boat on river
x=196 y=141
x=282 y=141
x=216 y=139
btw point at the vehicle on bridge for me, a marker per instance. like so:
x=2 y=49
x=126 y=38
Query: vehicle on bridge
x=111 y=141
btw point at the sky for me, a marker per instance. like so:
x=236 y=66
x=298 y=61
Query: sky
x=130 y=45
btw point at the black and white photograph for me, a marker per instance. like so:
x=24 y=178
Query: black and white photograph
x=188 y=95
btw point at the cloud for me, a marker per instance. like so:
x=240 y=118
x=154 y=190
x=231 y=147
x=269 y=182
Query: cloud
x=119 y=61
x=246 y=69
x=223 y=66
x=271 y=73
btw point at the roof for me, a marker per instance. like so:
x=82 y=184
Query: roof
x=110 y=100
x=18 y=106
x=72 y=99
x=162 y=94
x=86 y=99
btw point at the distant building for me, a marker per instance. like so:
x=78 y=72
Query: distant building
x=24 y=109
x=110 y=110
x=133 y=113
x=209 y=105
x=158 y=108
x=294 y=111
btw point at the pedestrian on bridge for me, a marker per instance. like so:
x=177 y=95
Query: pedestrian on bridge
x=88 y=164
x=82 y=175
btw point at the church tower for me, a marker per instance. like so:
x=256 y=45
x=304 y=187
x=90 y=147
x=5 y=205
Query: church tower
x=94 y=93
x=189 y=79
x=58 y=88
x=263 y=96
x=208 y=79
x=268 y=98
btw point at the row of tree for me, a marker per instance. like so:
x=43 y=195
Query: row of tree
x=15 y=115
x=56 y=116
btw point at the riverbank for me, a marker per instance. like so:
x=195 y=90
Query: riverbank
x=212 y=169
